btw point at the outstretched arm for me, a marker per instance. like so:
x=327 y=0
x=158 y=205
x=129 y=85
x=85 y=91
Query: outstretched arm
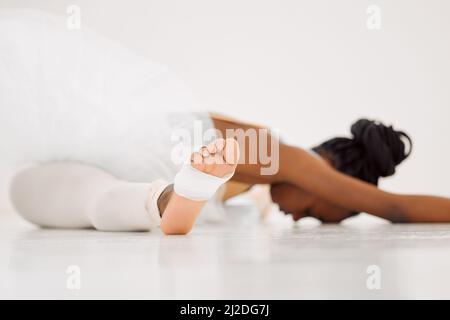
x=322 y=180
x=298 y=168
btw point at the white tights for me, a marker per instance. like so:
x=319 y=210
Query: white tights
x=72 y=195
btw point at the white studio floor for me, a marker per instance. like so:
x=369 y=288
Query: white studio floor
x=251 y=260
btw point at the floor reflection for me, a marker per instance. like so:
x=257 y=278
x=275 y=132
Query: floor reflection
x=226 y=261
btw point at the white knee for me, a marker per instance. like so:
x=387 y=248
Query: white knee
x=55 y=195
x=25 y=197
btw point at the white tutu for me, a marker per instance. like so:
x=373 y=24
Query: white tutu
x=72 y=95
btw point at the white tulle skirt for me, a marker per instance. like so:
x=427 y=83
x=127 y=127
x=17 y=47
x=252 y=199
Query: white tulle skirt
x=72 y=95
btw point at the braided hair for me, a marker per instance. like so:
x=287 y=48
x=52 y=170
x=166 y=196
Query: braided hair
x=373 y=152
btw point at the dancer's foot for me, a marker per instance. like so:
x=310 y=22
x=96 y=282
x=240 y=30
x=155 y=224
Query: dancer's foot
x=219 y=160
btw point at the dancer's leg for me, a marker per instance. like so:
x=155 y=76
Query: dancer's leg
x=69 y=195
x=72 y=195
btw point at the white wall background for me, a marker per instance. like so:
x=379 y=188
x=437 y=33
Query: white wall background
x=309 y=68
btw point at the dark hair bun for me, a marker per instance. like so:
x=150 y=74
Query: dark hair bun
x=383 y=147
x=373 y=152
